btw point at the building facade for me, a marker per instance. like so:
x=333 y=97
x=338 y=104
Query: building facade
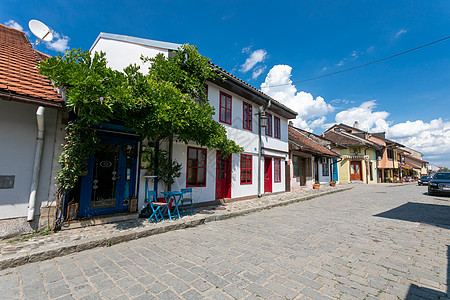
x=211 y=176
x=31 y=134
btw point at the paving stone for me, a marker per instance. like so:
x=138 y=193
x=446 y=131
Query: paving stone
x=201 y=285
x=306 y=281
x=167 y=295
x=111 y=293
x=281 y=290
x=258 y=290
x=58 y=291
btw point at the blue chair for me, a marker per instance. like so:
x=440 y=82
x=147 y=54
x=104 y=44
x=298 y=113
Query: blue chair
x=186 y=199
x=158 y=208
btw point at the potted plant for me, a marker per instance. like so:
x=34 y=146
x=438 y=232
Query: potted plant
x=316 y=185
x=333 y=183
x=165 y=170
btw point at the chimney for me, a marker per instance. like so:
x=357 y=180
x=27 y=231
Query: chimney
x=356 y=124
x=291 y=123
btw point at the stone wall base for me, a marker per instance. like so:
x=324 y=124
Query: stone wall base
x=20 y=226
x=15 y=227
x=47 y=217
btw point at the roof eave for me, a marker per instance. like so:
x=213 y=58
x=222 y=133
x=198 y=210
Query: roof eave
x=11 y=96
x=135 y=40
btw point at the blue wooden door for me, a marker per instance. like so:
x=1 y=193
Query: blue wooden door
x=335 y=170
x=111 y=178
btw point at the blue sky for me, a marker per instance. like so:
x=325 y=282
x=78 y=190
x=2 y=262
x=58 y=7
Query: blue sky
x=267 y=43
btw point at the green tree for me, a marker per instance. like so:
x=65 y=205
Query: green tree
x=157 y=105
x=444 y=169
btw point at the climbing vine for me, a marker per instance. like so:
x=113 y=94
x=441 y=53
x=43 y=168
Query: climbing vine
x=156 y=105
x=80 y=141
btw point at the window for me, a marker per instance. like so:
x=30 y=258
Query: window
x=269 y=125
x=276 y=127
x=378 y=154
x=296 y=165
x=200 y=101
x=246 y=169
x=390 y=154
x=277 y=170
x=225 y=108
x=247 y=116
x=325 y=169
x=196 y=167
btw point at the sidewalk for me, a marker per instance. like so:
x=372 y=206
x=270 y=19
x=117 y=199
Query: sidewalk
x=27 y=249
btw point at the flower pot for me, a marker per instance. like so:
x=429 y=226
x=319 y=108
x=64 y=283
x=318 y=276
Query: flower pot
x=333 y=183
x=316 y=186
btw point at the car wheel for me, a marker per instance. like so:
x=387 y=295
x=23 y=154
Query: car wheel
x=430 y=193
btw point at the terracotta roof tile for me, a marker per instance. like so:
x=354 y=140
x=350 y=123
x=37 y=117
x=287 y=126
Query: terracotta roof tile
x=341 y=139
x=308 y=144
x=18 y=68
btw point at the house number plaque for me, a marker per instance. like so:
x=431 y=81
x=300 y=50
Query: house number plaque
x=105 y=164
x=7 y=181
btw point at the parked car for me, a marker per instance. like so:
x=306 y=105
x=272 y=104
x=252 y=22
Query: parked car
x=424 y=180
x=440 y=184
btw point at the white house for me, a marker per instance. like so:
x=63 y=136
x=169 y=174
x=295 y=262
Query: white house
x=236 y=103
x=31 y=134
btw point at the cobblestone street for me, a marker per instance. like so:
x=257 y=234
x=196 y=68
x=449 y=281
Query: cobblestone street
x=370 y=242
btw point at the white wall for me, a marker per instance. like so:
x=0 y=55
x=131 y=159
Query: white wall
x=120 y=54
x=18 y=132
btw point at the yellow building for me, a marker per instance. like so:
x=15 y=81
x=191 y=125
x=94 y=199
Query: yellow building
x=358 y=162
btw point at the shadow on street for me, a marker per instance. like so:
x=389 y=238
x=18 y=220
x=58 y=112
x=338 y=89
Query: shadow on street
x=432 y=214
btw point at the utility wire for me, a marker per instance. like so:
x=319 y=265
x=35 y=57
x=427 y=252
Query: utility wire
x=360 y=66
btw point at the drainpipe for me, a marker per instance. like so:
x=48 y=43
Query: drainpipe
x=37 y=163
x=260 y=112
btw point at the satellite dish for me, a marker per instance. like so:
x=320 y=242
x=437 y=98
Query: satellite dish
x=41 y=31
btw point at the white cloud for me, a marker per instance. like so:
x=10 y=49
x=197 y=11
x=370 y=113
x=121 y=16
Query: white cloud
x=431 y=139
x=399 y=33
x=368 y=119
x=256 y=56
x=352 y=57
x=60 y=43
x=409 y=128
x=14 y=24
x=258 y=71
x=247 y=49
x=311 y=112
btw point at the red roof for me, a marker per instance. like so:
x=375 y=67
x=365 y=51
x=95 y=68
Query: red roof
x=307 y=144
x=19 y=78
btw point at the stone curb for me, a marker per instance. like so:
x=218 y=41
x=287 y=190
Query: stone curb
x=121 y=237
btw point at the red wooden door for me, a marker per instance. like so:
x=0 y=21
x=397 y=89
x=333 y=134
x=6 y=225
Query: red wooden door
x=268 y=175
x=223 y=176
x=355 y=170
